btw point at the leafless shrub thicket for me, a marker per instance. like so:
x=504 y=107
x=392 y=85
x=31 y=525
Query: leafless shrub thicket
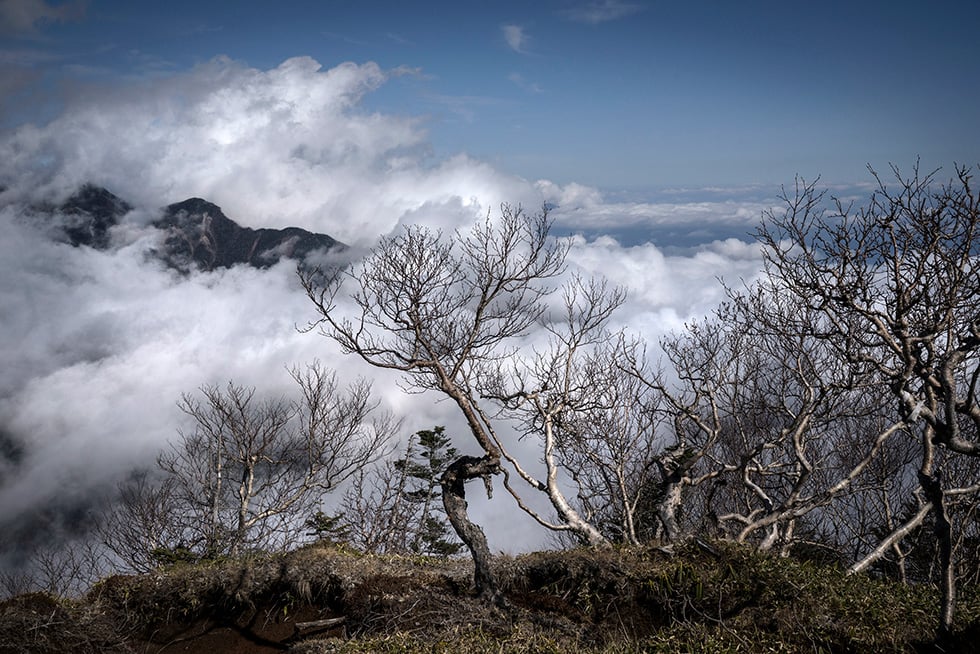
x=249 y=472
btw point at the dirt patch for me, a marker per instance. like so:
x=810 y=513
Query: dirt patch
x=258 y=632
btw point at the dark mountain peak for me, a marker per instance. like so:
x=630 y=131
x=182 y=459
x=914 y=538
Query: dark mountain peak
x=200 y=234
x=90 y=213
x=197 y=218
x=194 y=206
x=95 y=200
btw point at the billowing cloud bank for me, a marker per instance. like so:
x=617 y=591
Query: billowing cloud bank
x=285 y=146
x=97 y=346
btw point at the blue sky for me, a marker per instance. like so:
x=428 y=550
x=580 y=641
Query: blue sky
x=614 y=94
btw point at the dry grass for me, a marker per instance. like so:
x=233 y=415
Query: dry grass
x=732 y=600
x=38 y=623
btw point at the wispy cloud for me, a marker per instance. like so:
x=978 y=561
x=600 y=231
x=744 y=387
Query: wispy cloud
x=530 y=87
x=370 y=41
x=25 y=16
x=602 y=11
x=26 y=57
x=148 y=62
x=336 y=36
x=202 y=28
x=516 y=38
x=399 y=39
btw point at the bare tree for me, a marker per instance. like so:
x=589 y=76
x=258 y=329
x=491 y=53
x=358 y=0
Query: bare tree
x=65 y=568
x=552 y=393
x=444 y=312
x=375 y=514
x=145 y=522
x=896 y=283
x=608 y=442
x=855 y=523
x=763 y=410
x=250 y=471
x=694 y=419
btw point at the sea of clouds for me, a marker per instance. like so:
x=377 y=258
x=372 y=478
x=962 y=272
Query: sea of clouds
x=97 y=346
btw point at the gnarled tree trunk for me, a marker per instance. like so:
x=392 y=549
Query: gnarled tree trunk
x=932 y=487
x=454 y=500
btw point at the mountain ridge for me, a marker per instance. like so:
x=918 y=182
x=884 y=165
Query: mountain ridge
x=197 y=233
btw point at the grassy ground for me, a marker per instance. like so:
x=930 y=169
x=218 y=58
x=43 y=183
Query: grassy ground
x=729 y=599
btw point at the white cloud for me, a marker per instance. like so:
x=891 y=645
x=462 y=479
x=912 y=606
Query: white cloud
x=666 y=290
x=288 y=146
x=572 y=196
x=100 y=345
x=97 y=346
x=583 y=209
x=516 y=38
x=691 y=215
